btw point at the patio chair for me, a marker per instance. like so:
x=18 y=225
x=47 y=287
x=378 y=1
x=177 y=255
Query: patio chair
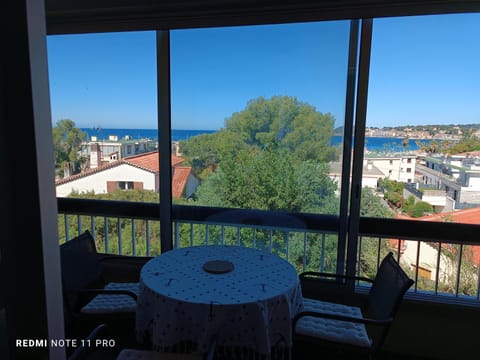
x=88 y=294
x=350 y=328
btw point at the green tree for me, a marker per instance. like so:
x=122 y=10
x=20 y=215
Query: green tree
x=316 y=189
x=419 y=209
x=115 y=235
x=372 y=206
x=67 y=140
x=409 y=204
x=258 y=179
x=281 y=123
x=203 y=152
x=431 y=147
x=289 y=124
x=469 y=142
x=269 y=180
x=272 y=155
x=393 y=191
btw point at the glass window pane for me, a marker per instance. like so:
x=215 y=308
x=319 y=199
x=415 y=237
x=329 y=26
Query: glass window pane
x=257 y=113
x=257 y=119
x=104 y=115
x=422 y=160
x=423 y=130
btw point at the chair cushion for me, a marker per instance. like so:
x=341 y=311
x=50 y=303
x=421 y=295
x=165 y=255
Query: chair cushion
x=333 y=330
x=106 y=303
x=133 y=354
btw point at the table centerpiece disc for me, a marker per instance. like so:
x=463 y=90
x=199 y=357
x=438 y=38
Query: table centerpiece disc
x=218 y=266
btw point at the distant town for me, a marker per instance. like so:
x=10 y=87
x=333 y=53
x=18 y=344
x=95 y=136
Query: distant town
x=439 y=132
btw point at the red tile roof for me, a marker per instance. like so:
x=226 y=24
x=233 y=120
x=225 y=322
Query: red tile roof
x=179 y=180
x=88 y=172
x=149 y=161
x=466 y=216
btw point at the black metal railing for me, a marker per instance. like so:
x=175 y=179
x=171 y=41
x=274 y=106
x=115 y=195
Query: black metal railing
x=437 y=255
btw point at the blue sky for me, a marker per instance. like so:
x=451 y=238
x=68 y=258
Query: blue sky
x=423 y=71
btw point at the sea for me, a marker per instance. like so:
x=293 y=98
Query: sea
x=372 y=144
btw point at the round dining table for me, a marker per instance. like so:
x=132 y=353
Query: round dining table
x=243 y=297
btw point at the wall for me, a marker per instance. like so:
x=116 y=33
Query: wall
x=98 y=181
x=435 y=331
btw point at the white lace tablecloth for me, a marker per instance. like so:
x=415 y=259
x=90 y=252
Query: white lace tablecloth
x=248 y=309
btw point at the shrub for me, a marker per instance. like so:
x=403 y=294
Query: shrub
x=420 y=209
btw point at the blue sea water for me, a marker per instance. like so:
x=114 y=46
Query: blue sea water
x=376 y=144
x=177 y=135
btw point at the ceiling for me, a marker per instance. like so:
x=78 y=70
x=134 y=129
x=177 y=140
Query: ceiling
x=80 y=16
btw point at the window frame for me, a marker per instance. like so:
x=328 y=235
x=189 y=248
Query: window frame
x=79 y=20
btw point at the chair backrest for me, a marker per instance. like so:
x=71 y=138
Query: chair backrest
x=385 y=296
x=83 y=242
x=388 y=289
x=80 y=263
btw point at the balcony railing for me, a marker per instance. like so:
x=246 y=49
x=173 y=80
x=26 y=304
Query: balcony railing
x=439 y=256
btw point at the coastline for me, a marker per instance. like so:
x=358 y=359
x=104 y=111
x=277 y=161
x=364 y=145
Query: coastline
x=372 y=143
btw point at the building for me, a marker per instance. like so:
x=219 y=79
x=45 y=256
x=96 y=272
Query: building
x=134 y=172
x=101 y=152
x=432 y=264
x=457 y=176
x=370 y=174
x=395 y=167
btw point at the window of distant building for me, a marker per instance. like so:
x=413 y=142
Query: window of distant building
x=391 y=162
x=125 y=185
x=409 y=170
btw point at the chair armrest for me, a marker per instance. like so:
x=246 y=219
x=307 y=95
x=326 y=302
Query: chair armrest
x=121 y=268
x=107 y=292
x=137 y=259
x=364 y=320
x=314 y=275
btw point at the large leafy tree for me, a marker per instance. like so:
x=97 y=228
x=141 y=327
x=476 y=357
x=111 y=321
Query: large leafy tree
x=272 y=155
x=205 y=151
x=269 y=180
x=288 y=124
x=67 y=139
x=281 y=123
x=260 y=179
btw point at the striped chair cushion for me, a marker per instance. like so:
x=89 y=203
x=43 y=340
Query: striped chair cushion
x=333 y=330
x=106 y=303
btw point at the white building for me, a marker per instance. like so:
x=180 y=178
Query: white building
x=399 y=168
x=396 y=167
x=370 y=174
x=136 y=172
x=457 y=175
x=101 y=152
